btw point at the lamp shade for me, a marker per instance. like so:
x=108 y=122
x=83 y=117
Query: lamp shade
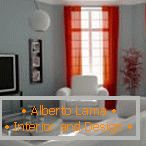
x=39 y=20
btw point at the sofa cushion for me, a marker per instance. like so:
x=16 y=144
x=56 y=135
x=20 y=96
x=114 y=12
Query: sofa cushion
x=126 y=108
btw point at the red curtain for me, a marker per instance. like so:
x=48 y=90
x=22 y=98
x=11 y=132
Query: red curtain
x=111 y=53
x=145 y=16
x=72 y=20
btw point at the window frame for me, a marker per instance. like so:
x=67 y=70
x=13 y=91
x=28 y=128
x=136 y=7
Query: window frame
x=90 y=30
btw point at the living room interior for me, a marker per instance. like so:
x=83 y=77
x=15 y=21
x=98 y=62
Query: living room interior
x=73 y=48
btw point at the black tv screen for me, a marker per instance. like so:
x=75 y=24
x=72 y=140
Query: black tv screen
x=8 y=75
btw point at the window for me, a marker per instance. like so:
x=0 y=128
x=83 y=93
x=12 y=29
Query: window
x=90 y=28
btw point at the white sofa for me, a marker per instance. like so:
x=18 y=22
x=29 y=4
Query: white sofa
x=141 y=142
x=125 y=131
x=83 y=86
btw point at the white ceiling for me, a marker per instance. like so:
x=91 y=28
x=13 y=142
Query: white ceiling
x=93 y=2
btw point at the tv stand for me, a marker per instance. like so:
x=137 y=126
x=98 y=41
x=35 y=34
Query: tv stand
x=19 y=93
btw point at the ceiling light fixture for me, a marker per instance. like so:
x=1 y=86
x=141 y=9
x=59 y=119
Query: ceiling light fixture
x=40 y=20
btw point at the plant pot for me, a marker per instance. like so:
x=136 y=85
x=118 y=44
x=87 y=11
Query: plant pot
x=132 y=92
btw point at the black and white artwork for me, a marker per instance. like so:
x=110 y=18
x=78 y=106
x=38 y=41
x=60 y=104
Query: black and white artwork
x=35 y=47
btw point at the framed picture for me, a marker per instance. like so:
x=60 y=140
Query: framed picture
x=36 y=61
x=36 y=46
x=36 y=75
x=35 y=50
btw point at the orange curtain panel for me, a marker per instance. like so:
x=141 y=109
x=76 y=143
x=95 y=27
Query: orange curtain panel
x=72 y=20
x=110 y=53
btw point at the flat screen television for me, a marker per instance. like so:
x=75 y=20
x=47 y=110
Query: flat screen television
x=8 y=73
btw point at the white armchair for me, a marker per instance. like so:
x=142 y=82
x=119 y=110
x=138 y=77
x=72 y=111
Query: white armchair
x=83 y=86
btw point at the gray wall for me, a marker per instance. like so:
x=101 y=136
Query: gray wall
x=14 y=35
x=132 y=35
x=139 y=40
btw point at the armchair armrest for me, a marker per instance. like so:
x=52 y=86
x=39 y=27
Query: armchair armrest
x=101 y=91
x=64 y=92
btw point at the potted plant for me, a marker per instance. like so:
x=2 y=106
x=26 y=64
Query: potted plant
x=132 y=69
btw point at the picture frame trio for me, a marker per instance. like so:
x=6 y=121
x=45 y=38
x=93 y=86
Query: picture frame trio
x=35 y=56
